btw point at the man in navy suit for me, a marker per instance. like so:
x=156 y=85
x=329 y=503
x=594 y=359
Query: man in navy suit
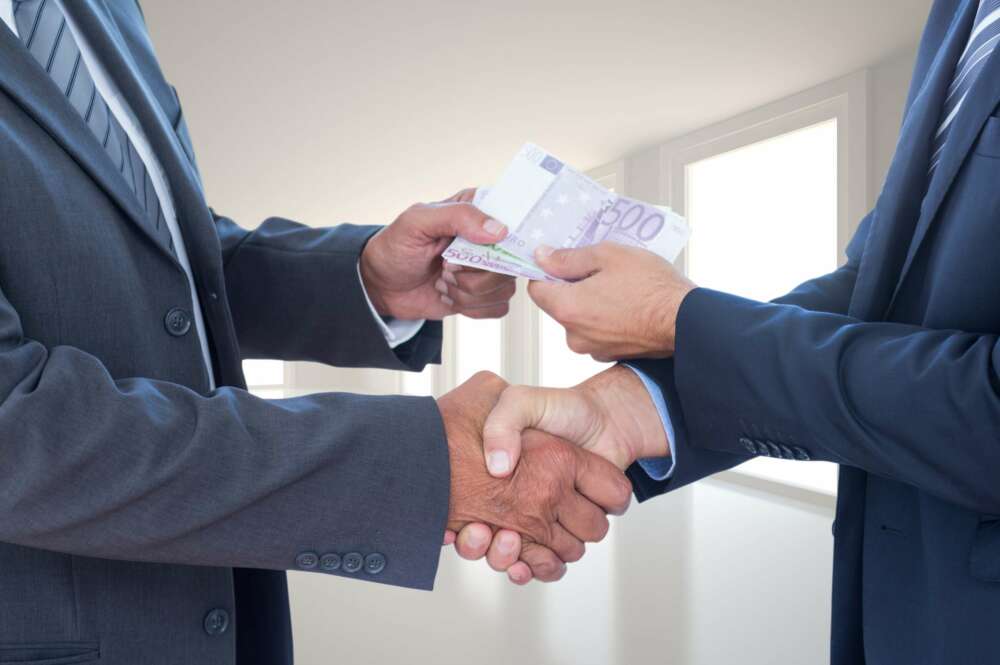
x=889 y=366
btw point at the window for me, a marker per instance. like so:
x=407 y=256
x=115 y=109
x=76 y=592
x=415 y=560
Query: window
x=479 y=347
x=265 y=378
x=773 y=198
x=764 y=220
x=749 y=207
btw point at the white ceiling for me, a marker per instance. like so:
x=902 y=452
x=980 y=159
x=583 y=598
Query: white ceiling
x=331 y=111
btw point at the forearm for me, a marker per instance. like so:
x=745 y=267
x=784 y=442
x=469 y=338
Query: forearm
x=908 y=403
x=692 y=462
x=295 y=295
x=147 y=470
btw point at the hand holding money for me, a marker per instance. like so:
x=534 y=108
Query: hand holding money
x=600 y=262
x=403 y=274
x=616 y=302
x=544 y=202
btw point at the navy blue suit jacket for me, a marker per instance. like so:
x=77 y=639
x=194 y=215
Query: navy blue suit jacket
x=890 y=367
x=143 y=518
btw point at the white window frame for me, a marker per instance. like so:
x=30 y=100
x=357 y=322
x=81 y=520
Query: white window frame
x=844 y=100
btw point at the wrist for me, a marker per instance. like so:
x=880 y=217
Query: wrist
x=370 y=280
x=670 y=308
x=630 y=416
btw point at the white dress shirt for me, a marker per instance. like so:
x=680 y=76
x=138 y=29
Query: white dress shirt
x=395 y=332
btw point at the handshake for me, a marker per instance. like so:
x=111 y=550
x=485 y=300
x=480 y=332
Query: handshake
x=536 y=471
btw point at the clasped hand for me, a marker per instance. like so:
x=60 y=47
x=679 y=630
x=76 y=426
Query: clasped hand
x=546 y=496
x=555 y=458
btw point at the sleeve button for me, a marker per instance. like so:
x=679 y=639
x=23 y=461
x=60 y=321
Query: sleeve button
x=307 y=560
x=330 y=562
x=374 y=563
x=353 y=562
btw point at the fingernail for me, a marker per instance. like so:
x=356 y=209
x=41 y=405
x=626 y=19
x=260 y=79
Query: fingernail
x=544 y=251
x=474 y=538
x=493 y=227
x=506 y=544
x=441 y=286
x=451 y=267
x=450 y=278
x=498 y=462
x=447 y=301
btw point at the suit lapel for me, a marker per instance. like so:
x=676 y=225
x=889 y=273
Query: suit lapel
x=96 y=20
x=898 y=211
x=30 y=87
x=976 y=110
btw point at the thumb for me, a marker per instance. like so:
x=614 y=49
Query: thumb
x=563 y=413
x=569 y=264
x=463 y=220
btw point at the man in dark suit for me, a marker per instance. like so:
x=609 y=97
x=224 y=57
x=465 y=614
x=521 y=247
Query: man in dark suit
x=149 y=505
x=889 y=366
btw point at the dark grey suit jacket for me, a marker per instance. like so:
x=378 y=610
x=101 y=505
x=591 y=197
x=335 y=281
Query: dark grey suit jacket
x=142 y=518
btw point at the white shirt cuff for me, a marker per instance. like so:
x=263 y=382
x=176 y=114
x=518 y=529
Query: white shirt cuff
x=395 y=331
x=659 y=468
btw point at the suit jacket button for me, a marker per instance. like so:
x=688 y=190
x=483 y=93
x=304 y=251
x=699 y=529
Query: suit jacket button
x=216 y=622
x=374 y=563
x=801 y=454
x=353 y=562
x=330 y=562
x=786 y=452
x=748 y=444
x=307 y=560
x=762 y=448
x=177 y=322
x=775 y=450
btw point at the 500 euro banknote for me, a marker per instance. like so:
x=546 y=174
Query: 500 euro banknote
x=545 y=202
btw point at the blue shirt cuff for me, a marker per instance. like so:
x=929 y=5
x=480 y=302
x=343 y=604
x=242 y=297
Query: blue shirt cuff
x=658 y=468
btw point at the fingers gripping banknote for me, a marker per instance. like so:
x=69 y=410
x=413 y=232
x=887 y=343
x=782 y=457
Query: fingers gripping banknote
x=545 y=202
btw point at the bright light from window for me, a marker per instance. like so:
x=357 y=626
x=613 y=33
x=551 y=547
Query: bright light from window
x=764 y=217
x=418 y=383
x=480 y=347
x=560 y=367
x=764 y=220
x=267 y=373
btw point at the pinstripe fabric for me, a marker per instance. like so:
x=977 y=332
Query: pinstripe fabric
x=982 y=42
x=43 y=29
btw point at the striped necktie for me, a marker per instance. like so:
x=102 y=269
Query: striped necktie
x=43 y=29
x=982 y=42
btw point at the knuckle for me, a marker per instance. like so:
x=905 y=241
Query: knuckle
x=469 y=213
x=576 y=343
x=623 y=493
x=501 y=311
x=486 y=377
x=576 y=552
x=601 y=528
x=557 y=574
x=547 y=569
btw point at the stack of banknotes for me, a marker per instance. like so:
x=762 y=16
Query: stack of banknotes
x=545 y=202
